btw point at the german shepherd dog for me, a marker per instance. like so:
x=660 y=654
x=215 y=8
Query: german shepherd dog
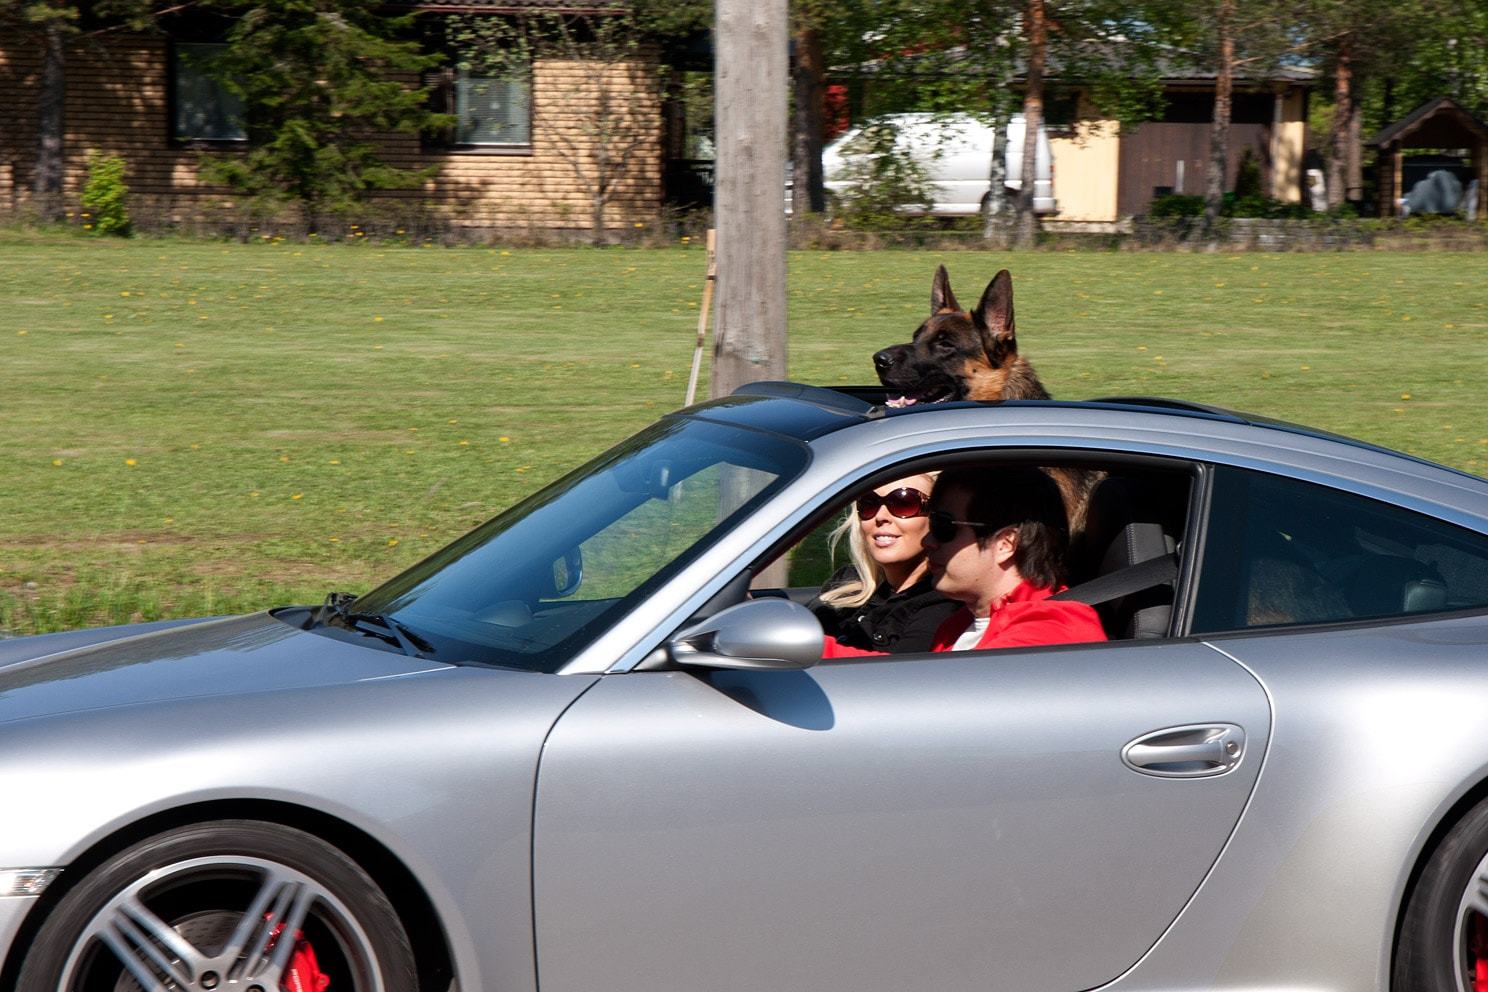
x=973 y=355
x=959 y=354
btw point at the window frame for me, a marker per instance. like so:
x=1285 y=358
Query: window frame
x=444 y=93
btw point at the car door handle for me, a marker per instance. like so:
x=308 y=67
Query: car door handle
x=1193 y=751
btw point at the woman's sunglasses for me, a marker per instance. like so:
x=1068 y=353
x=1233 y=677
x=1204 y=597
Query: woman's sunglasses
x=903 y=503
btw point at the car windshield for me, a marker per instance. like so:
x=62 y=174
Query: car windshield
x=535 y=585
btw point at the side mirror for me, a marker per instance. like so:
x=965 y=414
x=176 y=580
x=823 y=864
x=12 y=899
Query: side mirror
x=758 y=634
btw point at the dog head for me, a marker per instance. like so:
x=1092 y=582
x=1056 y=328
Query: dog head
x=958 y=354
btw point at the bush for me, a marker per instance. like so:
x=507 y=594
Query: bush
x=883 y=181
x=104 y=193
x=1248 y=177
x=1176 y=205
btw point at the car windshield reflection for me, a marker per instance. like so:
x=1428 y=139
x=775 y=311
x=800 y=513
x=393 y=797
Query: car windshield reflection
x=536 y=584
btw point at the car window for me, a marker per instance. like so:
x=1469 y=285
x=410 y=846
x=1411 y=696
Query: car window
x=536 y=584
x=1133 y=514
x=1279 y=551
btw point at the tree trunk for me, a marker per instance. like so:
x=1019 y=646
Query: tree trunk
x=749 y=336
x=1036 y=29
x=1219 y=128
x=1354 y=166
x=597 y=219
x=806 y=164
x=51 y=104
x=994 y=207
x=1343 y=78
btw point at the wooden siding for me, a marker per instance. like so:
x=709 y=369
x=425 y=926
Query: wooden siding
x=1288 y=145
x=1086 y=165
x=118 y=103
x=1150 y=157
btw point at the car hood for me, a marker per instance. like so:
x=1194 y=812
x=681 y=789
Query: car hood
x=50 y=674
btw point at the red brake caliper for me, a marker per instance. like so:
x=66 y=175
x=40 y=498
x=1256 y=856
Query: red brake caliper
x=304 y=974
x=1478 y=948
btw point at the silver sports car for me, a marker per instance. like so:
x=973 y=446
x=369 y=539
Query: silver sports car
x=587 y=747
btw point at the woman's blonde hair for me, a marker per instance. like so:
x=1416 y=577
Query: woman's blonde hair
x=859 y=589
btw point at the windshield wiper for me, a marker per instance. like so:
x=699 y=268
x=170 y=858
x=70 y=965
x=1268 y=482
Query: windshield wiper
x=338 y=608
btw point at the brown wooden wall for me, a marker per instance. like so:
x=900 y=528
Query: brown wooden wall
x=1149 y=158
x=117 y=103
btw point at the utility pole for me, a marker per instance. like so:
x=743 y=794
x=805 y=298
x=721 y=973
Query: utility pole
x=751 y=40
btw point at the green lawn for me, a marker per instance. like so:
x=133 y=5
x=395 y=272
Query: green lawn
x=190 y=427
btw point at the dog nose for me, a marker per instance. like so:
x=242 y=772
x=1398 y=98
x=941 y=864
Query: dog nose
x=884 y=360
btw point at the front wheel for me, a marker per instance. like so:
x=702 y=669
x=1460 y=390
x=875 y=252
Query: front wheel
x=1444 y=936
x=235 y=905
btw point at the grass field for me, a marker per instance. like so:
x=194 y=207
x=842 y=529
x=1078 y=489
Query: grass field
x=193 y=427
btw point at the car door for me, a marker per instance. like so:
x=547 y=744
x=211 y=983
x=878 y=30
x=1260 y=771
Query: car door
x=953 y=821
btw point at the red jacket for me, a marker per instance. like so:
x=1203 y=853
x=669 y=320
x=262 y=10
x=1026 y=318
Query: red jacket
x=1027 y=618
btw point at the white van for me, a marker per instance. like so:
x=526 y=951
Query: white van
x=955 y=150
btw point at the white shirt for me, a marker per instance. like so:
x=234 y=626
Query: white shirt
x=973 y=634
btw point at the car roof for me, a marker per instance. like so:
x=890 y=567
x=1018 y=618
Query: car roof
x=1183 y=429
x=844 y=404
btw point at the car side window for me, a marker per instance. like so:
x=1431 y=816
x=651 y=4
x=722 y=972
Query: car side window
x=1280 y=552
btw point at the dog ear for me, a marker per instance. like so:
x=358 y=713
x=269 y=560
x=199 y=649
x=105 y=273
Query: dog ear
x=994 y=318
x=941 y=297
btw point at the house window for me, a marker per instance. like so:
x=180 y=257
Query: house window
x=491 y=110
x=204 y=108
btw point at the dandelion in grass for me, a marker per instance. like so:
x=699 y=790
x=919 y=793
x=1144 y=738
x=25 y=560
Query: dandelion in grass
x=131 y=462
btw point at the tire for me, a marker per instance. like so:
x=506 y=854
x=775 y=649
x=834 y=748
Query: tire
x=207 y=907
x=1444 y=935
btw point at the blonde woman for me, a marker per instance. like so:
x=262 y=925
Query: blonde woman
x=883 y=600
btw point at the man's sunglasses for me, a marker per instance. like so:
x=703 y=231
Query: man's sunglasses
x=943 y=528
x=903 y=503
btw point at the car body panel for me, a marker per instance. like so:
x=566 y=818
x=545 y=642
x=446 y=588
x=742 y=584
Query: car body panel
x=1378 y=732
x=434 y=762
x=790 y=829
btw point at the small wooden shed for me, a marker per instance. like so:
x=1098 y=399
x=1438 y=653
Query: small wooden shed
x=1439 y=123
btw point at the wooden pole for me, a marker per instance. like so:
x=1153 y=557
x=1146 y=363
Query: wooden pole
x=751 y=39
x=697 y=353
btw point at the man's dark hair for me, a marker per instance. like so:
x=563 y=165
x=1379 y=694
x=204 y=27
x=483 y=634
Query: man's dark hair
x=1021 y=497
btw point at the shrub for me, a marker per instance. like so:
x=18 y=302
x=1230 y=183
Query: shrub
x=882 y=180
x=1176 y=205
x=1248 y=177
x=104 y=193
